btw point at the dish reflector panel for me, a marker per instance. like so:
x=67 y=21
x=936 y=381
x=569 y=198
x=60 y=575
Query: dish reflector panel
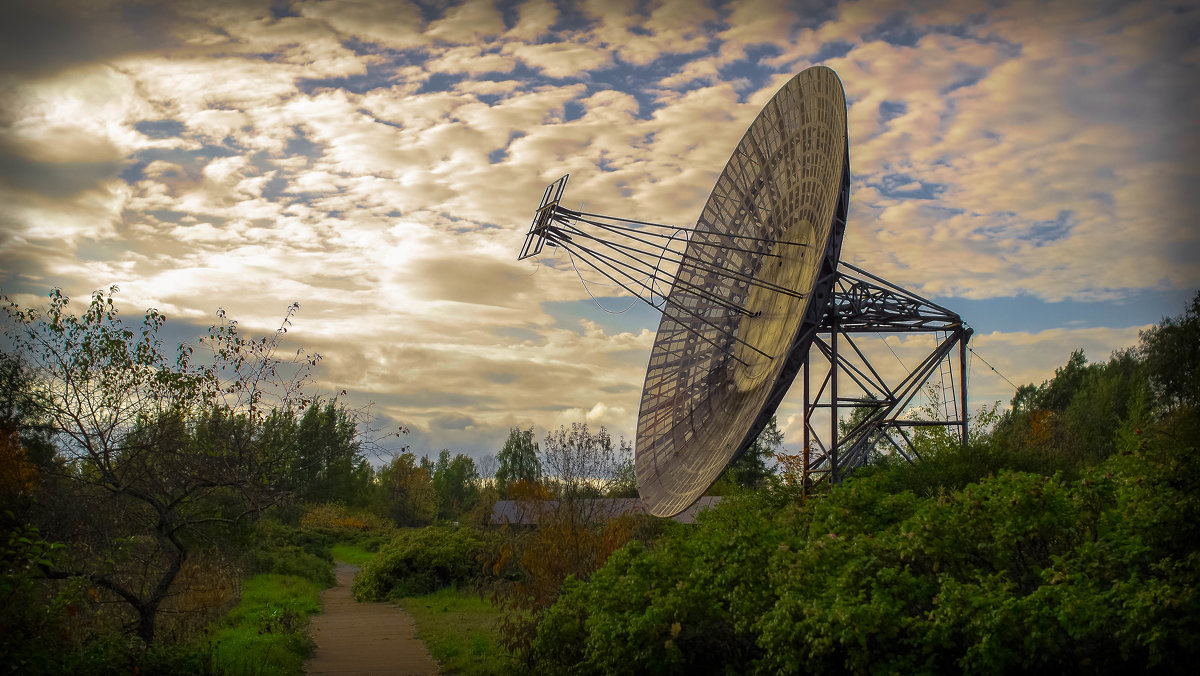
x=776 y=214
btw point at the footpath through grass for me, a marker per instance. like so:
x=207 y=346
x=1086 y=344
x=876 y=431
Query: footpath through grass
x=461 y=631
x=459 y=628
x=267 y=632
x=354 y=554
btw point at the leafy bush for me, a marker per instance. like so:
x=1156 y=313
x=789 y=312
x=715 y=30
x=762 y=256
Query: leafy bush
x=1016 y=571
x=336 y=519
x=420 y=561
x=293 y=560
x=686 y=605
x=285 y=550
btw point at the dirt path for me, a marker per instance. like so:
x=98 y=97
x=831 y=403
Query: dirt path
x=365 y=638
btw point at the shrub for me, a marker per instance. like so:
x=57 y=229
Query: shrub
x=337 y=520
x=686 y=605
x=293 y=560
x=285 y=550
x=420 y=561
x=1014 y=572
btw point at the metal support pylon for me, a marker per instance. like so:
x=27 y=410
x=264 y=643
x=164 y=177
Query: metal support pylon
x=846 y=378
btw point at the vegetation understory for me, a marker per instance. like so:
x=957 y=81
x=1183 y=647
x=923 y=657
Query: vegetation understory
x=164 y=513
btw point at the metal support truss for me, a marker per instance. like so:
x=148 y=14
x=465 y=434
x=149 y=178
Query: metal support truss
x=644 y=258
x=838 y=375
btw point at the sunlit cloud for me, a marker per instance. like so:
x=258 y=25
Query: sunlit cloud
x=378 y=161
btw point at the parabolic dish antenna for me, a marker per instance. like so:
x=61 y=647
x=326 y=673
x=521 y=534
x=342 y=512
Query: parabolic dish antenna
x=776 y=215
x=744 y=294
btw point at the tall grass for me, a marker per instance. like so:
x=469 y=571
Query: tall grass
x=461 y=631
x=266 y=633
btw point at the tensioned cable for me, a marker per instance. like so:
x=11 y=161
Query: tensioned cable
x=680 y=306
x=680 y=260
x=595 y=300
x=889 y=347
x=592 y=295
x=993 y=368
x=751 y=238
x=685 y=325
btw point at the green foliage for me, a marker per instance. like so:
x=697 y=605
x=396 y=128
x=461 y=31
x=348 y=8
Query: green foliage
x=293 y=560
x=327 y=464
x=459 y=628
x=420 y=561
x=266 y=633
x=456 y=484
x=685 y=605
x=25 y=618
x=1065 y=541
x=406 y=494
x=518 y=460
x=274 y=547
x=1016 y=572
x=1171 y=352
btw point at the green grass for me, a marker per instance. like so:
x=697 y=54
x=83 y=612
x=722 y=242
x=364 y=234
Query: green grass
x=460 y=630
x=352 y=554
x=267 y=632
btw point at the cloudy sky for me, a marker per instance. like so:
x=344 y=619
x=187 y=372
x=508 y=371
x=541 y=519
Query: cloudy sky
x=1029 y=164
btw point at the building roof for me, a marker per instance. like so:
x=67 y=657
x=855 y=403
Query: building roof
x=529 y=512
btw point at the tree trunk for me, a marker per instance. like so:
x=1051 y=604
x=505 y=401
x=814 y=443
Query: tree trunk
x=148 y=609
x=147 y=612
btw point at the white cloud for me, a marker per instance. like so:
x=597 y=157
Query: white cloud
x=394 y=213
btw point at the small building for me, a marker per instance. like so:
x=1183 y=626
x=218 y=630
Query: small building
x=530 y=512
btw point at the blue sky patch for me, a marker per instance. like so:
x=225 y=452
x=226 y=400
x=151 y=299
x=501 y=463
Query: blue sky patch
x=1028 y=313
x=964 y=76
x=897 y=29
x=890 y=110
x=1041 y=233
x=751 y=69
x=300 y=145
x=192 y=161
x=638 y=316
x=160 y=128
x=834 y=49
x=904 y=185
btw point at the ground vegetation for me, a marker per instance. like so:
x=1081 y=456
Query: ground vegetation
x=1062 y=539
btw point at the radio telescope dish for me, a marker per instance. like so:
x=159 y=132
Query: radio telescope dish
x=777 y=214
x=746 y=295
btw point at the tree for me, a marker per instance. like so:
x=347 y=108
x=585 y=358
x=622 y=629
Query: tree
x=575 y=534
x=518 y=460
x=455 y=481
x=624 y=484
x=156 y=454
x=407 y=488
x=1171 y=352
x=328 y=464
x=749 y=470
x=1056 y=394
x=487 y=468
